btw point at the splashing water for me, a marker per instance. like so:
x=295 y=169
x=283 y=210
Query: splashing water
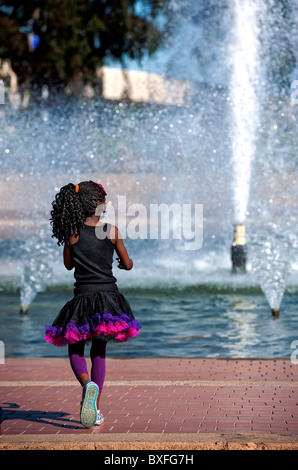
x=155 y=153
x=245 y=66
x=37 y=271
x=270 y=259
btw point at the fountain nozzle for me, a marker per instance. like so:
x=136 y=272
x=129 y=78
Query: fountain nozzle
x=275 y=312
x=239 y=249
x=24 y=310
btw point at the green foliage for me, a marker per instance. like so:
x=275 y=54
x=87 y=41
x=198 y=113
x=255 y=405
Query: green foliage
x=76 y=35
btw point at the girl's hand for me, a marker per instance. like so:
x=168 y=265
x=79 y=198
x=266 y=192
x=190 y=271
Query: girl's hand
x=120 y=265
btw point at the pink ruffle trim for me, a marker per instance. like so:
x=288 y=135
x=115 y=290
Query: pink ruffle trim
x=119 y=331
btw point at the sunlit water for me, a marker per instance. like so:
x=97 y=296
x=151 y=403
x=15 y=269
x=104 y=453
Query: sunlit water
x=193 y=323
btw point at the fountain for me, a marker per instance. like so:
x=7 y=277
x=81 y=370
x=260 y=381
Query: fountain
x=218 y=149
x=271 y=266
x=245 y=69
x=239 y=249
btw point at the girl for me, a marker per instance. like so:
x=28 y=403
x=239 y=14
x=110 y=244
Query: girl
x=98 y=311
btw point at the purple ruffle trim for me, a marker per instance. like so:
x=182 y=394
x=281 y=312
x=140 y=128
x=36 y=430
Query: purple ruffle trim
x=109 y=327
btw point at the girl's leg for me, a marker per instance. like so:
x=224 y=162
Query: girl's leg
x=78 y=361
x=98 y=360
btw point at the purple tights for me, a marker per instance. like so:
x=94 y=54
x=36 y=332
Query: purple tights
x=98 y=360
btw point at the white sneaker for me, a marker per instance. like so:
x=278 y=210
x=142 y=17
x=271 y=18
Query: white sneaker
x=100 y=418
x=88 y=407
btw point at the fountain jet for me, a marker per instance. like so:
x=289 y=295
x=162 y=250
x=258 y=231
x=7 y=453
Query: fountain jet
x=245 y=65
x=239 y=249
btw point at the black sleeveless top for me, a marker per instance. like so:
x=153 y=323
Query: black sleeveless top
x=92 y=256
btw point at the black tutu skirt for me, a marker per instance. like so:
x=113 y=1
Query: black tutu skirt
x=104 y=314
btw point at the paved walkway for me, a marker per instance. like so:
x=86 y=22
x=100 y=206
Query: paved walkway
x=161 y=403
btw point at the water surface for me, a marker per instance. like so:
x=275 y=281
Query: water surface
x=190 y=322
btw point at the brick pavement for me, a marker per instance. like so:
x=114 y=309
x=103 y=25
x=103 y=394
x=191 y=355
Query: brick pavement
x=158 y=403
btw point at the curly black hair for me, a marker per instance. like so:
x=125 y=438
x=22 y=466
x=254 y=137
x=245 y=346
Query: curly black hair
x=72 y=205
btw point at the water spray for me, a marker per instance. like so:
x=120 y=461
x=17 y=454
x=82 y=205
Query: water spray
x=245 y=66
x=239 y=249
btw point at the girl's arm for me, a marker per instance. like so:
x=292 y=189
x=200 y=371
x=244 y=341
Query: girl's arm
x=67 y=258
x=124 y=260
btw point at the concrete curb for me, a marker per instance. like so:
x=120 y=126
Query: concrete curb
x=169 y=442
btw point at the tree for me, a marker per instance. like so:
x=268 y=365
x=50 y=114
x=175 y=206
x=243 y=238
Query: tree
x=73 y=37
